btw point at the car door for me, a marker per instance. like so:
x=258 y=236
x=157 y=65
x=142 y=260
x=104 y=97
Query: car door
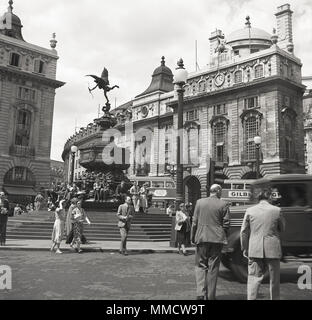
x=296 y=207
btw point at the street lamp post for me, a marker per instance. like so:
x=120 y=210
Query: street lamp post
x=180 y=78
x=73 y=150
x=257 y=141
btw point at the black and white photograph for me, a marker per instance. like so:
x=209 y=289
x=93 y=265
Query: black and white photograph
x=156 y=151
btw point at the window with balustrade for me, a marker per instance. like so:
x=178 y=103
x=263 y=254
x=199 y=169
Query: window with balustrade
x=23 y=128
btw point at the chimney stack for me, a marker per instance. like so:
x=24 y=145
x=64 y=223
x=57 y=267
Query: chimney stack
x=284 y=28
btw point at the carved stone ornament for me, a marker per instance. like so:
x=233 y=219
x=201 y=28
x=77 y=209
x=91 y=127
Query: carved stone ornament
x=219 y=79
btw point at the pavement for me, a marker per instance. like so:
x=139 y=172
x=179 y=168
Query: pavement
x=41 y=275
x=92 y=246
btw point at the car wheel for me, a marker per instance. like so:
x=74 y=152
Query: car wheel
x=239 y=266
x=225 y=259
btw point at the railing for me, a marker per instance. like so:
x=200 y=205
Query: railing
x=22 y=151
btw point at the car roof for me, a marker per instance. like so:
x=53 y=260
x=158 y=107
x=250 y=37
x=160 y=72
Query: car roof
x=283 y=177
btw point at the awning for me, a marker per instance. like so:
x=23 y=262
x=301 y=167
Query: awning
x=20 y=191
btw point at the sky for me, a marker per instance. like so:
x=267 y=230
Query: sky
x=130 y=37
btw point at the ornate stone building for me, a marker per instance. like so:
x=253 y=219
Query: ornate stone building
x=307 y=109
x=252 y=86
x=27 y=91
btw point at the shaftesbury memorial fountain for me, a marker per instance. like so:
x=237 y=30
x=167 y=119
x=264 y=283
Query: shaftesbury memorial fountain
x=93 y=148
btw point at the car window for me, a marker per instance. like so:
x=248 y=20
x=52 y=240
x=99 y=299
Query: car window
x=290 y=195
x=158 y=184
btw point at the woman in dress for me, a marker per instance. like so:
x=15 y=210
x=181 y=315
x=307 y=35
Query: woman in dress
x=134 y=191
x=69 y=221
x=143 y=197
x=78 y=218
x=182 y=227
x=59 y=226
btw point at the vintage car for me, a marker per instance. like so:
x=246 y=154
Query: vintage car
x=293 y=194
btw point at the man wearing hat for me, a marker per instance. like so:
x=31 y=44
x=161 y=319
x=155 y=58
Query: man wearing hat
x=209 y=228
x=4 y=213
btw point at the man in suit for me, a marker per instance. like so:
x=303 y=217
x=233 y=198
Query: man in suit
x=210 y=224
x=261 y=244
x=125 y=214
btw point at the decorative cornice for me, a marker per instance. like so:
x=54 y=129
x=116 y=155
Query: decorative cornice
x=31 y=76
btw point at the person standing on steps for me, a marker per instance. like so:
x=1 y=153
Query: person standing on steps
x=125 y=214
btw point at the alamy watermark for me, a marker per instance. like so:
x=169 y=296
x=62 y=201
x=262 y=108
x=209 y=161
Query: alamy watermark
x=5 y=278
x=305 y=280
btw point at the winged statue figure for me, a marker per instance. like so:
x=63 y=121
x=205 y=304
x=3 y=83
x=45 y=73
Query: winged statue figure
x=102 y=83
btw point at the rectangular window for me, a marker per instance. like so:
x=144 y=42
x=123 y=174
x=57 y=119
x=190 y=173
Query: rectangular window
x=250 y=103
x=15 y=59
x=39 y=66
x=219 y=109
x=192 y=115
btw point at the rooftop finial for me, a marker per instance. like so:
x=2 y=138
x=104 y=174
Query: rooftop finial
x=247 y=23
x=53 y=41
x=11 y=5
x=162 y=60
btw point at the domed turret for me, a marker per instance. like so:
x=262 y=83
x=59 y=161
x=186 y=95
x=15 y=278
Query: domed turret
x=162 y=79
x=11 y=24
x=249 y=39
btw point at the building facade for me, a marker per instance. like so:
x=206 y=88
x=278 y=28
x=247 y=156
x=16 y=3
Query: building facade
x=252 y=86
x=27 y=90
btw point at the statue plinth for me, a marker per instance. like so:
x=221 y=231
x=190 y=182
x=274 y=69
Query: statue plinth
x=106 y=121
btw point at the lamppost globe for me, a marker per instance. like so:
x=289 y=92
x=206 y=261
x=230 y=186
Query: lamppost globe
x=257 y=140
x=180 y=74
x=74 y=149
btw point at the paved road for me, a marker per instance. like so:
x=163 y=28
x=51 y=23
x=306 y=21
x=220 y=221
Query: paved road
x=110 y=276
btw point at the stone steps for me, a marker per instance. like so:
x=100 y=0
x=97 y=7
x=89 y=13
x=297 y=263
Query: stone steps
x=103 y=227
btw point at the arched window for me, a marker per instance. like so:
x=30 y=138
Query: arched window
x=252 y=125
x=202 y=86
x=259 y=71
x=19 y=176
x=220 y=141
x=39 y=66
x=23 y=128
x=15 y=59
x=238 y=76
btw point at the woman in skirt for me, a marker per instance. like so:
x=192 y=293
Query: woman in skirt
x=182 y=227
x=59 y=226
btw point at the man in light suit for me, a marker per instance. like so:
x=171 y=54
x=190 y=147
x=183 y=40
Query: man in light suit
x=125 y=214
x=210 y=224
x=260 y=242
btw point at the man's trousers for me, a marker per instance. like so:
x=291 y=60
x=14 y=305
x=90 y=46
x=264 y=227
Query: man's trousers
x=256 y=270
x=207 y=263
